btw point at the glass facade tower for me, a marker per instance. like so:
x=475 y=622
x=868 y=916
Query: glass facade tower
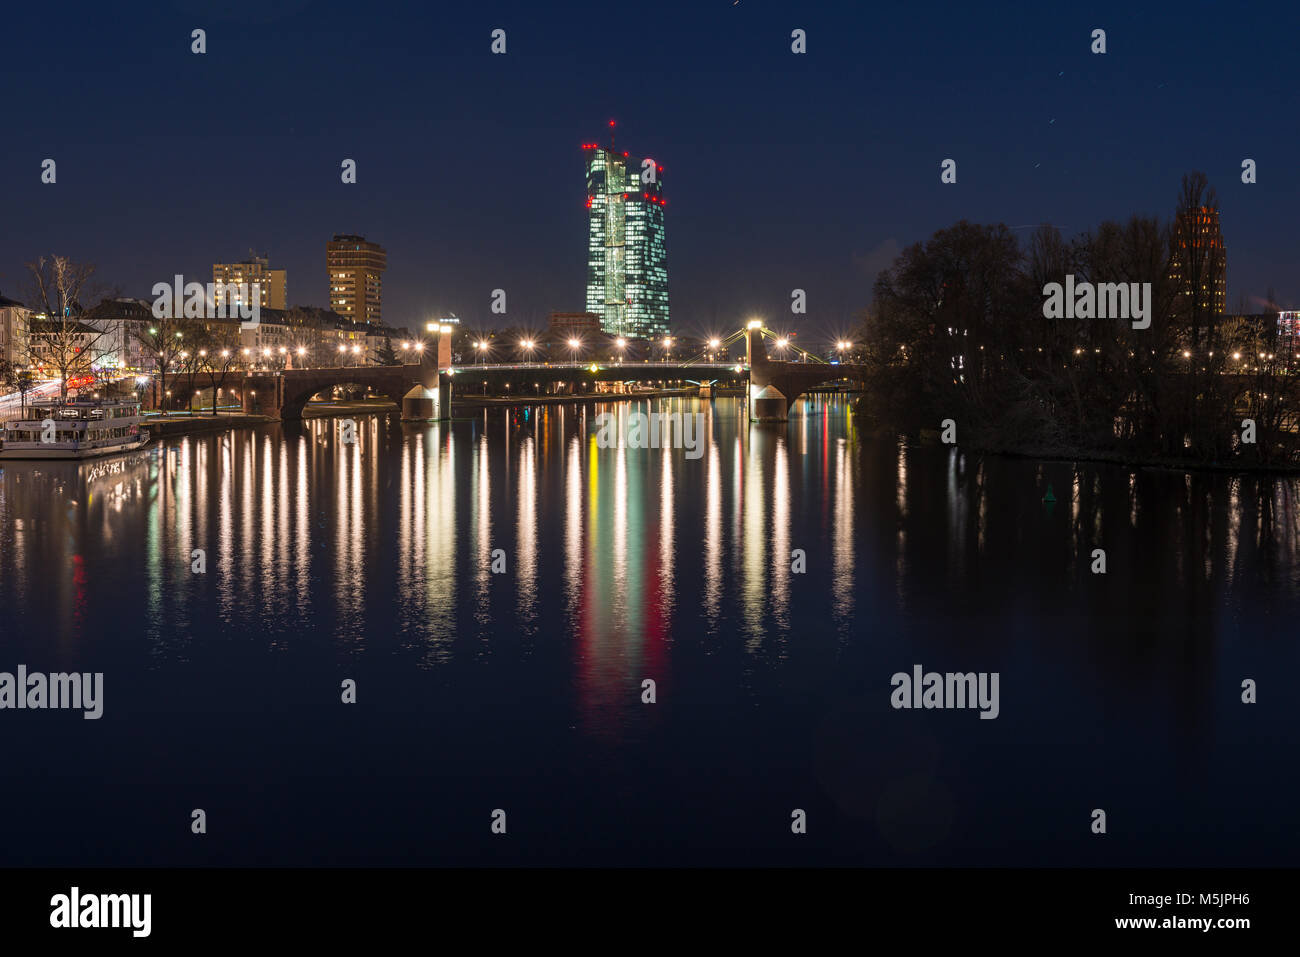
x=627 y=272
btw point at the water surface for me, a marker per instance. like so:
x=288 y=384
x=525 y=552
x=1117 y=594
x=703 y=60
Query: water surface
x=523 y=691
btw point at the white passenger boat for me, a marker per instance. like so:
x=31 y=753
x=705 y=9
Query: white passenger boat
x=75 y=429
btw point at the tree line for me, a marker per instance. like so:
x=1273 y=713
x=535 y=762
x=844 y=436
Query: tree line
x=957 y=331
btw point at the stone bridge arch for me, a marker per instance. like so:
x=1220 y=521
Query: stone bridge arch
x=298 y=394
x=284 y=395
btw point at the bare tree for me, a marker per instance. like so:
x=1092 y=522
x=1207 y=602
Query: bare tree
x=59 y=341
x=219 y=359
x=163 y=341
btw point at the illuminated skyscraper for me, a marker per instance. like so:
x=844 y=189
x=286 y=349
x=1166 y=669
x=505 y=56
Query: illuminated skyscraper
x=627 y=272
x=254 y=269
x=1199 y=261
x=356 y=270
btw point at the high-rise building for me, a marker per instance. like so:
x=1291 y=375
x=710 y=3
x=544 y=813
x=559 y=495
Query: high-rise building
x=14 y=325
x=1199 y=261
x=627 y=273
x=272 y=283
x=356 y=270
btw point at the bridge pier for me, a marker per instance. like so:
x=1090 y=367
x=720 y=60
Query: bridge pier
x=770 y=395
x=263 y=395
x=424 y=404
x=430 y=401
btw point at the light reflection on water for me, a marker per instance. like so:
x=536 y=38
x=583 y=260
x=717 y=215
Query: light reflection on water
x=415 y=514
x=624 y=564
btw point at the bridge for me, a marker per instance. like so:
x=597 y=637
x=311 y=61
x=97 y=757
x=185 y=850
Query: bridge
x=775 y=384
x=423 y=390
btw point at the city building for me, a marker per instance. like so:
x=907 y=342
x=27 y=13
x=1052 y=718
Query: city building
x=573 y=325
x=356 y=270
x=123 y=323
x=1199 y=261
x=272 y=283
x=14 y=326
x=52 y=342
x=627 y=272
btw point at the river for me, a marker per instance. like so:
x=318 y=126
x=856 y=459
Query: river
x=228 y=585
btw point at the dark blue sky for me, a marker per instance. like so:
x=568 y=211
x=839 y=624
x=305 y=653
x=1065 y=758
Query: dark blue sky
x=781 y=170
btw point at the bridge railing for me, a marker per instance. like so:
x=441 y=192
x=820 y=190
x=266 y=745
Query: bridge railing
x=588 y=366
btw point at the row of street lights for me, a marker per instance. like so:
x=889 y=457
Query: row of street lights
x=529 y=346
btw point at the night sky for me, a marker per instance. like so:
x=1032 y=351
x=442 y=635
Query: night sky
x=781 y=170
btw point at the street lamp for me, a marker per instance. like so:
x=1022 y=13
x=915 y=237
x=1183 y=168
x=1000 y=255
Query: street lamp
x=527 y=345
x=575 y=345
x=481 y=348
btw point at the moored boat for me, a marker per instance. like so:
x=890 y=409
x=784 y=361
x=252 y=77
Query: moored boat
x=75 y=429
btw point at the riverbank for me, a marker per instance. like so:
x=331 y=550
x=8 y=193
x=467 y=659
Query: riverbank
x=176 y=425
x=1071 y=456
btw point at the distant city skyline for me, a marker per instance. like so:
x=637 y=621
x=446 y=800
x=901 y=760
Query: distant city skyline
x=788 y=171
